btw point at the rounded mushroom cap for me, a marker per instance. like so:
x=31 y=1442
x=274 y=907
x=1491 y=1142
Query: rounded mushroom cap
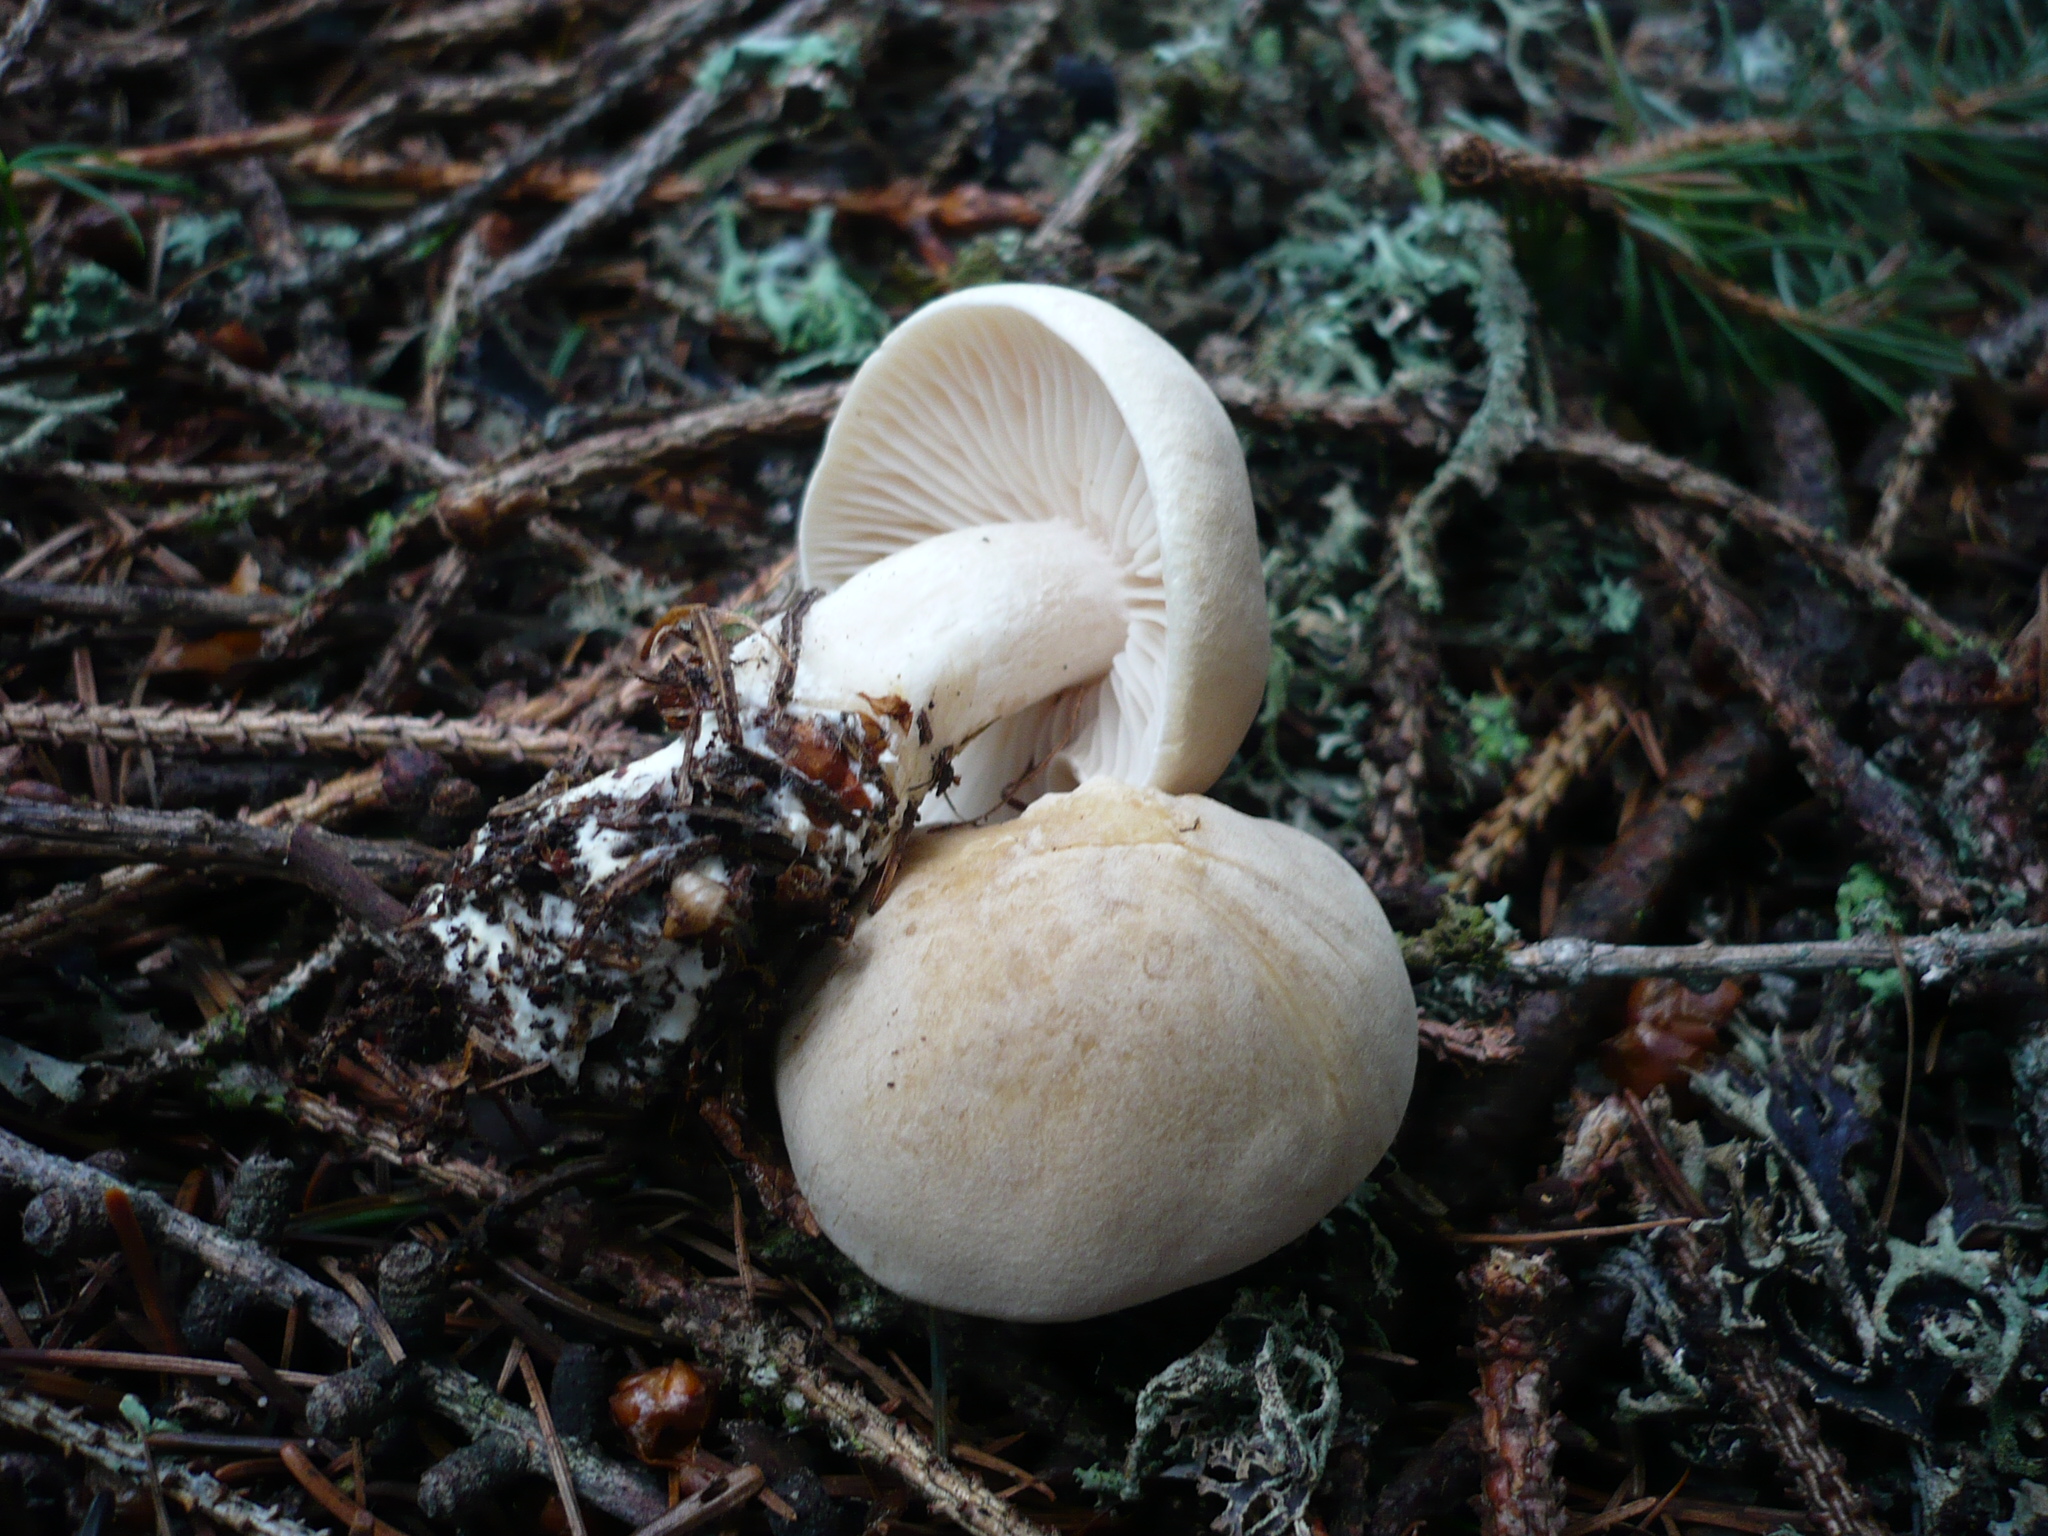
x=1123 y=1044
x=1025 y=403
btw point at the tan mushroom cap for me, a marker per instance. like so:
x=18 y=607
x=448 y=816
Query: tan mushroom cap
x=1123 y=1044
x=1019 y=403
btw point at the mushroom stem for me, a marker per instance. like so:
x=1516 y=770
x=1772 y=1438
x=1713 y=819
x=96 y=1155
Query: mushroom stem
x=967 y=628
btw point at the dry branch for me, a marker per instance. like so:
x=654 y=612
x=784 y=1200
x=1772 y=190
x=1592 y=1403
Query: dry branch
x=1518 y=1295
x=1111 y=161
x=1931 y=956
x=1469 y=1143
x=266 y=732
x=150 y=606
x=1926 y=414
x=347 y=871
x=21 y=34
x=1565 y=756
x=1839 y=770
x=353 y=426
x=36 y=925
x=1645 y=466
x=125 y=1456
x=480 y=510
x=1384 y=100
x=628 y=180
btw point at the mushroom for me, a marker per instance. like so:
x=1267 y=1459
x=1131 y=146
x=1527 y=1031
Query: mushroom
x=1120 y=1045
x=1033 y=523
x=1033 y=528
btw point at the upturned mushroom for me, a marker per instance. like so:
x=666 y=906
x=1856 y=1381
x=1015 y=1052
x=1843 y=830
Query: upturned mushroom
x=1123 y=1044
x=1033 y=530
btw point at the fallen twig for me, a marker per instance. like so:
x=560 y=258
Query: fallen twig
x=21 y=34
x=1103 y=172
x=1466 y=1147
x=1688 y=482
x=1926 y=414
x=125 y=1456
x=1384 y=100
x=1518 y=1296
x=388 y=440
x=402 y=652
x=1541 y=783
x=347 y=871
x=480 y=509
x=268 y=732
x=1839 y=770
x=626 y=182
x=1930 y=956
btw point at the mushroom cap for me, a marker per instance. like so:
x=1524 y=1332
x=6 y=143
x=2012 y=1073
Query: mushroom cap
x=1120 y=1045
x=1025 y=403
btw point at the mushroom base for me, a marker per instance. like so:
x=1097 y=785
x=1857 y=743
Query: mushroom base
x=1124 y=1044
x=590 y=927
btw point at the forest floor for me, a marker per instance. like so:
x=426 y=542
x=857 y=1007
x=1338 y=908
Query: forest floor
x=1647 y=413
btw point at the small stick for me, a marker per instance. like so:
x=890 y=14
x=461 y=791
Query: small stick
x=481 y=509
x=329 y=1497
x=558 y=1463
x=627 y=180
x=270 y=1380
x=21 y=34
x=443 y=586
x=349 y=424
x=338 y=868
x=1891 y=1183
x=142 y=1269
x=1573 y=962
x=373 y=1315
x=1688 y=482
x=472 y=23
x=124 y=1456
x=1512 y=1239
x=1389 y=108
x=1116 y=156
x=85 y=684
x=444 y=336
x=203 y=149
x=1926 y=414
x=162 y=1365
x=1838 y=769
x=301 y=732
x=714 y=1501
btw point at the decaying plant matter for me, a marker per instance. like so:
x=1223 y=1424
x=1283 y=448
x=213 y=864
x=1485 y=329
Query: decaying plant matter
x=411 y=841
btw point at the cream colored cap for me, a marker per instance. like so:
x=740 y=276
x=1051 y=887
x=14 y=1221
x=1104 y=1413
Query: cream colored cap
x=1120 y=1045
x=1021 y=403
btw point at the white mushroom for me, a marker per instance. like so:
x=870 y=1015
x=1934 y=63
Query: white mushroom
x=1033 y=521
x=1123 y=1044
